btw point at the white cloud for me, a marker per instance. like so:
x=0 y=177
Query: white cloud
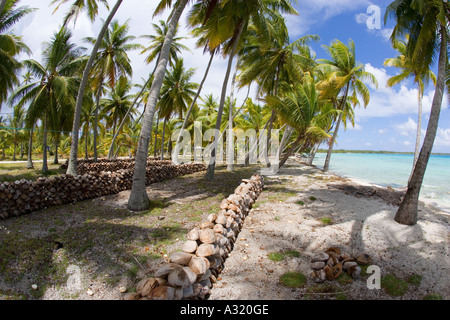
x=382 y=131
x=407 y=143
x=390 y=101
x=442 y=138
x=406 y=128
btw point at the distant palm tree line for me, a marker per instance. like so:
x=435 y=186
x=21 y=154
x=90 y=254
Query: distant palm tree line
x=308 y=98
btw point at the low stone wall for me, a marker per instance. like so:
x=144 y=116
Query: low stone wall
x=24 y=196
x=192 y=272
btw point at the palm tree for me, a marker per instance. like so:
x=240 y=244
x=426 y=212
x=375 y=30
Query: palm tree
x=176 y=93
x=91 y=6
x=56 y=83
x=72 y=166
x=306 y=112
x=16 y=122
x=116 y=106
x=235 y=16
x=343 y=74
x=155 y=46
x=426 y=22
x=408 y=69
x=112 y=62
x=10 y=46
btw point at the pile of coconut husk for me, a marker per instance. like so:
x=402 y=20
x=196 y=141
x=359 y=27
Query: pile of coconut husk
x=191 y=273
x=329 y=265
x=25 y=196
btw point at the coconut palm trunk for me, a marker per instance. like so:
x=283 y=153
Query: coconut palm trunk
x=230 y=139
x=407 y=212
x=111 y=148
x=419 y=129
x=139 y=200
x=326 y=166
x=72 y=167
x=97 y=108
x=44 y=155
x=215 y=143
x=188 y=114
x=156 y=135
x=290 y=151
x=313 y=155
x=162 y=138
x=30 y=151
x=55 y=159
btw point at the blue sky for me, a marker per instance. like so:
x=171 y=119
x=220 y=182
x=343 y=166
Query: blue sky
x=388 y=122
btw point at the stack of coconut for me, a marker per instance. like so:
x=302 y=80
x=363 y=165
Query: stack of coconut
x=24 y=196
x=192 y=271
x=330 y=264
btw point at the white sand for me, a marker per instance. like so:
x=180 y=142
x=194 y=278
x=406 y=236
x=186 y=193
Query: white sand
x=361 y=224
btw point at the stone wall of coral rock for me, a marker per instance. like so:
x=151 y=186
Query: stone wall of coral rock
x=25 y=196
x=191 y=273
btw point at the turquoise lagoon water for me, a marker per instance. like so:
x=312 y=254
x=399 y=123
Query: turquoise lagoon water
x=394 y=170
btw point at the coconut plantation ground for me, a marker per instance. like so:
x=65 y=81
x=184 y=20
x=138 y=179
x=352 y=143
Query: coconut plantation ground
x=300 y=213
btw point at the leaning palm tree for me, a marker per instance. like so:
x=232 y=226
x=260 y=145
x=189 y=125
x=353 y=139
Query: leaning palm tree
x=407 y=70
x=72 y=166
x=90 y=6
x=138 y=197
x=303 y=110
x=426 y=22
x=176 y=93
x=112 y=62
x=16 y=122
x=10 y=46
x=55 y=86
x=156 y=43
x=343 y=74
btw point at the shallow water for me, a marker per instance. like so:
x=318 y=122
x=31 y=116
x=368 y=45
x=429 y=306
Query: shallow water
x=394 y=170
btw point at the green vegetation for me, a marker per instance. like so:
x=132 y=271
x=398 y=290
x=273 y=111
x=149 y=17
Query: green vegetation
x=275 y=256
x=293 y=279
x=326 y=221
x=394 y=286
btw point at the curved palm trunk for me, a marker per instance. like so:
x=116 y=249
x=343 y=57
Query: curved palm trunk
x=230 y=139
x=97 y=107
x=188 y=114
x=111 y=148
x=44 y=156
x=55 y=159
x=139 y=200
x=30 y=151
x=290 y=151
x=156 y=136
x=326 y=166
x=313 y=155
x=162 y=138
x=215 y=143
x=72 y=167
x=419 y=130
x=407 y=212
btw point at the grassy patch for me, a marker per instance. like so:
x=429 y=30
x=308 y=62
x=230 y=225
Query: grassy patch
x=10 y=172
x=300 y=202
x=415 y=280
x=394 y=286
x=292 y=254
x=276 y=256
x=312 y=198
x=293 y=280
x=326 y=221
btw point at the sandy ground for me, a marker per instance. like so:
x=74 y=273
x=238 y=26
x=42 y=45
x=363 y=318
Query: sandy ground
x=362 y=223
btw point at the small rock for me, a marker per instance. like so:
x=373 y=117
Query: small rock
x=320 y=257
x=318 y=265
x=90 y=292
x=161 y=218
x=123 y=289
x=34 y=286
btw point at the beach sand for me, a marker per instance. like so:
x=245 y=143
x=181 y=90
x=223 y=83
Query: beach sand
x=362 y=223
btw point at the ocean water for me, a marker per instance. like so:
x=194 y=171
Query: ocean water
x=394 y=170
